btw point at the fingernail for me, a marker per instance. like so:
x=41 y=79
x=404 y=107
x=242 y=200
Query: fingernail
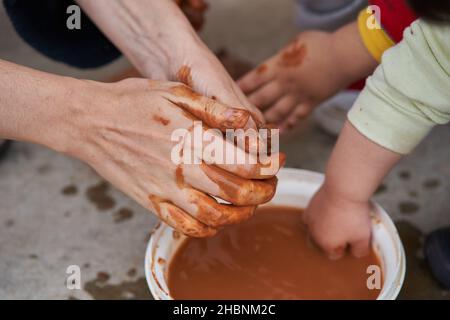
x=334 y=256
x=235 y=118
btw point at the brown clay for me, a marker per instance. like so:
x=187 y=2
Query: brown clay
x=293 y=55
x=184 y=75
x=267 y=257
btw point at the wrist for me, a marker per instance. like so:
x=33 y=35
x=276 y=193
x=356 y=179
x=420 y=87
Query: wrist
x=174 y=51
x=152 y=34
x=328 y=64
x=59 y=126
x=342 y=194
x=355 y=63
x=36 y=106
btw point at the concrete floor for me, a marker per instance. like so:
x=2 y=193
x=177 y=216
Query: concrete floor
x=56 y=212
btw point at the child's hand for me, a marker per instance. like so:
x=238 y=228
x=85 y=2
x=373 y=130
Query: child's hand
x=335 y=224
x=312 y=68
x=290 y=84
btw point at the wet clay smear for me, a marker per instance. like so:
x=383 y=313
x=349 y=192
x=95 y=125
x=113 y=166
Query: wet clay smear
x=267 y=257
x=98 y=195
x=69 y=190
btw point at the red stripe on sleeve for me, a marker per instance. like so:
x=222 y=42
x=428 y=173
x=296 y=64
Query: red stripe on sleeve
x=396 y=16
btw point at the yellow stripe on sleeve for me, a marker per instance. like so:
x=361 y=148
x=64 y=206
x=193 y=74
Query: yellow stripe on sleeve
x=376 y=40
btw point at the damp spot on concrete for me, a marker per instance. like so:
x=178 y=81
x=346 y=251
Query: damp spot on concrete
x=135 y=289
x=419 y=282
x=72 y=298
x=87 y=265
x=381 y=189
x=44 y=169
x=413 y=194
x=122 y=215
x=404 y=174
x=408 y=207
x=103 y=276
x=9 y=223
x=430 y=184
x=69 y=190
x=33 y=256
x=132 y=272
x=98 y=195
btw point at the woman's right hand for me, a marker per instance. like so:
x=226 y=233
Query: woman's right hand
x=124 y=132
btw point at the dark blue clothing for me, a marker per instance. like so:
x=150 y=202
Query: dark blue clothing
x=42 y=24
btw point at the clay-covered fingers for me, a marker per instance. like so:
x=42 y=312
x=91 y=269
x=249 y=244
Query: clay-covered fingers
x=210 y=111
x=264 y=169
x=212 y=213
x=199 y=183
x=358 y=247
x=179 y=219
x=229 y=187
x=338 y=244
x=262 y=160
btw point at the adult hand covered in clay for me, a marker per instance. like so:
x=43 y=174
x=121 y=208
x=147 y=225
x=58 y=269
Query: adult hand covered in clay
x=127 y=139
x=124 y=130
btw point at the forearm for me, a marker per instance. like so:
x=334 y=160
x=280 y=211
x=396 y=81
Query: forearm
x=353 y=60
x=34 y=106
x=357 y=166
x=149 y=33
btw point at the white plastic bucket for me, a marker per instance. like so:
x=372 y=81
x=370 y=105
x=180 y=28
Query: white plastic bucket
x=295 y=188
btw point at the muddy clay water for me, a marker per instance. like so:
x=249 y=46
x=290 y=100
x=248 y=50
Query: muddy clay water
x=267 y=257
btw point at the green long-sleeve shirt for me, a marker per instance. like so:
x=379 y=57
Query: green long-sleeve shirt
x=409 y=93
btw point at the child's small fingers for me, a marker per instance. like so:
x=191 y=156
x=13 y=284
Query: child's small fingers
x=281 y=109
x=360 y=247
x=299 y=112
x=266 y=95
x=302 y=110
x=254 y=79
x=335 y=252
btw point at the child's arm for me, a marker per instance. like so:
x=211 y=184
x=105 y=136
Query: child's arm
x=339 y=214
x=406 y=97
